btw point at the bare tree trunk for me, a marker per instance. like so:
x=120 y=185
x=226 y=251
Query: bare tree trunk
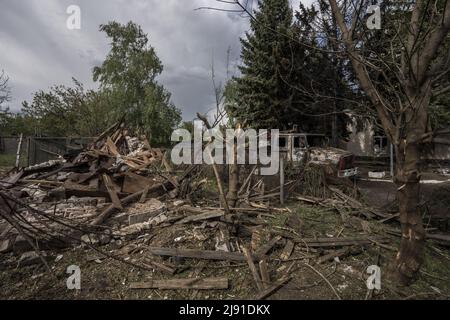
x=233 y=181
x=410 y=256
x=216 y=172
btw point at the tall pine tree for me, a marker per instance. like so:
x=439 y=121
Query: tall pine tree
x=263 y=94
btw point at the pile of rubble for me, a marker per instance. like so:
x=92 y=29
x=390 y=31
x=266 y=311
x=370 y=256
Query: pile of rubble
x=120 y=199
x=62 y=198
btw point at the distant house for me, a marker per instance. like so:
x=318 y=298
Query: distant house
x=368 y=143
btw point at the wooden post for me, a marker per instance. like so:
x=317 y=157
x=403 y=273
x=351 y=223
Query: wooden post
x=19 y=148
x=392 y=161
x=28 y=151
x=216 y=171
x=281 y=180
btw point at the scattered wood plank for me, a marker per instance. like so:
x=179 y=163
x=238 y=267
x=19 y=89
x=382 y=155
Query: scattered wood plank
x=442 y=239
x=253 y=270
x=112 y=147
x=144 y=195
x=199 y=254
x=339 y=254
x=202 y=216
x=161 y=187
x=264 y=270
x=287 y=251
x=133 y=183
x=309 y=199
x=161 y=266
x=112 y=192
x=340 y=242
x=265 y=249
x=184 y=284
x=331 y=242
x=12 y=180
x=274 y=288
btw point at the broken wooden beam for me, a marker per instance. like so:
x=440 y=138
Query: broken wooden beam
x=253 y=270
x=199 y=254
x=161 y=266
x=202 y=216
x=112 y=191
x=339 y=254
x=183 y=284
x=287 y=251
x=264 y=270
x=331 y=242
x=162 y=187
x=265 y=249
x=273 y=288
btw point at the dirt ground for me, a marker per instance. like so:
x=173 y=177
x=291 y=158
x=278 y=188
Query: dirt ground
x=107 y=278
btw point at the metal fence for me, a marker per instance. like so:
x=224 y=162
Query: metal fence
x=8 y=151
x=36 y=150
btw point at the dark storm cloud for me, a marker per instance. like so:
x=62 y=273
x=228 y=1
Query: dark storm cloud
x=38 y=51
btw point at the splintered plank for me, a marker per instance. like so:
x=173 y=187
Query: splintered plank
x=264 y=270
x=332 y=242
x=339 y=254
x=134 y=183
x=202 y=216
x=339 y=242
x=183 y=284
x=253 y=269
x=272 y=289
x=112 y=192
x=161 y=266
x=287 y=251
x=199 y=254
x=12 y=180
x=267 y=247
x=112 y=147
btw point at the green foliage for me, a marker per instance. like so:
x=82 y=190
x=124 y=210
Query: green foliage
x=4 y=97
x=440 y=112
x=288 y=76
x=65 y=111
x=263 y=97
x=189 y=126
x=128 y=90
x=319 y=82
x=128 y=77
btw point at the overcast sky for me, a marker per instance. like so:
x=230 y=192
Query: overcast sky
x=37 y=50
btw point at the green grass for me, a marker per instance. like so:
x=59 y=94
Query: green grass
x=7 y=160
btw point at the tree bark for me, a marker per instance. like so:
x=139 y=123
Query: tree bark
x=410 y=256
x=406 y=124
